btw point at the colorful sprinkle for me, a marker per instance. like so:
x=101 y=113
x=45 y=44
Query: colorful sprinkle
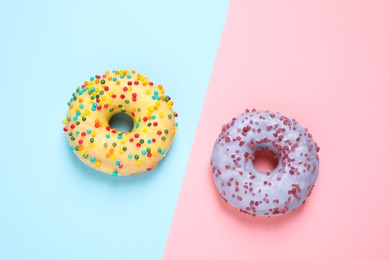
x=120 y=91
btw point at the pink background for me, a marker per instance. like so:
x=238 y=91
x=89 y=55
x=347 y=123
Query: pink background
x=327 y=64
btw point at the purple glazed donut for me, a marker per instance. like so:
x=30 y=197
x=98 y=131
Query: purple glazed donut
x=268 y=193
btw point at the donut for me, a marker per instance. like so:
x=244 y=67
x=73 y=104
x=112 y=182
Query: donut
x=114 y=152
x=274 y=192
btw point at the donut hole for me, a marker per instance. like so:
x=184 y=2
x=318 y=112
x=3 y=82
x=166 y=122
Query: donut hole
x=121 y=122
x=265 y=160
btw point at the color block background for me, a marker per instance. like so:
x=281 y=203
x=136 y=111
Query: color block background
x=325 y=63
x=51 y=205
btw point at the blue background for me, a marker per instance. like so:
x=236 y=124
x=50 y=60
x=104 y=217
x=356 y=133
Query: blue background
x=51 y=205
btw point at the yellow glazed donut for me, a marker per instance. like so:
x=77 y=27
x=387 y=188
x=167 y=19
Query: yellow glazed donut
x=111 y=151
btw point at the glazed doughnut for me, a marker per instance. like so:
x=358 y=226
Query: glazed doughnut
x=264 y=193
x=114 y=152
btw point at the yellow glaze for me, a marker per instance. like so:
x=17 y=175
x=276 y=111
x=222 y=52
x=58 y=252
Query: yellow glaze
x=114 y=152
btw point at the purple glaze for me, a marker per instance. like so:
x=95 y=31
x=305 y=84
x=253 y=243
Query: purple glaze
x=264 y=193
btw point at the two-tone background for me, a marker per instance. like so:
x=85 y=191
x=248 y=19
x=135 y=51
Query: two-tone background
x=325 y=63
